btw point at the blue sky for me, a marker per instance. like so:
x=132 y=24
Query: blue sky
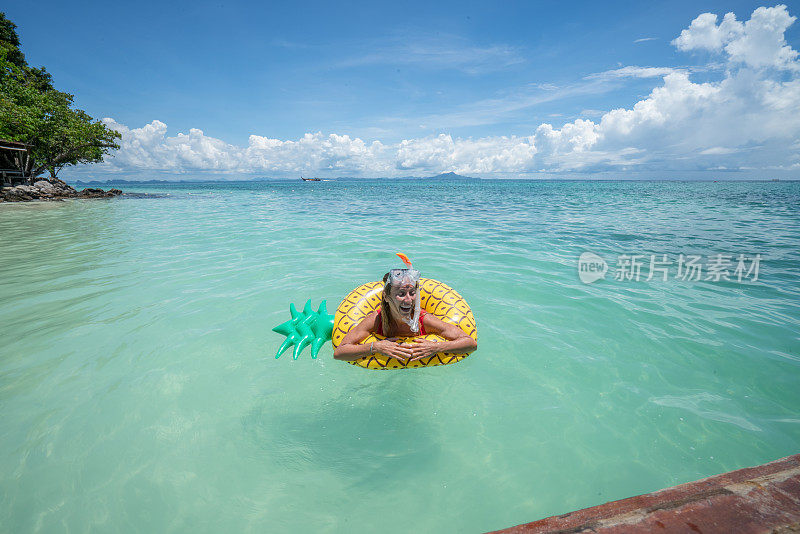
x=445 y=72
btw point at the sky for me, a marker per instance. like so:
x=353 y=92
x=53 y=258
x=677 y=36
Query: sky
x=237 y=90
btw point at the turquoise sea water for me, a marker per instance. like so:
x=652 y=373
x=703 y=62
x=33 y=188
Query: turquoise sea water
x=139 y=389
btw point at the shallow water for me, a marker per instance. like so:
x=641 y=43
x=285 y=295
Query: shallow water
x=139 y=389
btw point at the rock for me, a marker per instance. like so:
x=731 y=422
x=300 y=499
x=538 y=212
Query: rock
x=99 y=193
x=63 y=187
x=18 y=193
x=64 y=190
x=29 y=189
x=52 y=189
x=45 y=187
x=92 y=193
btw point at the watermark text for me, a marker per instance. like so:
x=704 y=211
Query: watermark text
x=663 y=267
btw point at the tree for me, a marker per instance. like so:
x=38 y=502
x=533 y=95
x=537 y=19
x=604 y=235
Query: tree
x=32 y=111
x=9 y=42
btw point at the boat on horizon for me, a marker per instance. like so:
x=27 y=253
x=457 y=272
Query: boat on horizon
x=310 y=179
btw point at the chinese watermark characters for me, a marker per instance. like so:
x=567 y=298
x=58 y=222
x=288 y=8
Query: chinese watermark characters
x=662 y=267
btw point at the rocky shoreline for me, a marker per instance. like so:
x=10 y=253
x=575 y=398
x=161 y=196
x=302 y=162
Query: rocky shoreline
x=51 y=189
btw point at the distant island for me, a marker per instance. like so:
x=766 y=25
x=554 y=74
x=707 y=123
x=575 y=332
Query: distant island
x=443 y=176
x=452 y=176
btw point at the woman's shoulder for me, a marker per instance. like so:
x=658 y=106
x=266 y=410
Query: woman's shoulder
x=429 y=319
x=372 y=318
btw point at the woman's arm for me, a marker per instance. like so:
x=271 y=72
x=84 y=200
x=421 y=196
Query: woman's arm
x=458 y=341
x=350 y=348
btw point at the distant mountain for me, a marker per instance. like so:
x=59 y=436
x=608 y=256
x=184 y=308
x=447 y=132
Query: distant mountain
x=452 y=176
x=118 y=181
x=122 y=181
x=443 y=176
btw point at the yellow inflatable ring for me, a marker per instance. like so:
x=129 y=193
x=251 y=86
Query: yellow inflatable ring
x=435 y=297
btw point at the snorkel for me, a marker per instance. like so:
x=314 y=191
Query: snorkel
x=402 y=277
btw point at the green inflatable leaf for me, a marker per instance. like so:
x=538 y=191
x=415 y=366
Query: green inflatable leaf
x=305 y=328
x=323 y=328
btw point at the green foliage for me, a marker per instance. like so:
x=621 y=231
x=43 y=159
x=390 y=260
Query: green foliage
x=32 y=111
x=9 y=42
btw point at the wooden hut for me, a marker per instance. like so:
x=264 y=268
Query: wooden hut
x=13 y=163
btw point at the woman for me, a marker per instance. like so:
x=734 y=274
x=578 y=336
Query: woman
x=400 y=316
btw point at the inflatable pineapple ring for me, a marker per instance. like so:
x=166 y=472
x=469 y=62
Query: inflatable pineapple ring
x=435 y=297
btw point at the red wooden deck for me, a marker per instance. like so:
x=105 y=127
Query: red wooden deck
x=753 y=500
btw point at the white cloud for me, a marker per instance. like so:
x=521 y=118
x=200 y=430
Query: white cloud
x=747 y=119
x=315 y=152
x=752 y=107
x=704 y=33
x=510 y=106
x=633 y=71
x=758 y=42
x=717 y=150
x=467 y=156
x=441 y=52
x=149 y=148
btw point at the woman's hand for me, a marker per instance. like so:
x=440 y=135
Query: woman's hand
x=392 y=349
x=423 y=348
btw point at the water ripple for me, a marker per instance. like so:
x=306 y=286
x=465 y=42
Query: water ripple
x=137 y=364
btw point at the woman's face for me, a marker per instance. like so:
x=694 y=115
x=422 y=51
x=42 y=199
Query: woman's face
x=401 y=300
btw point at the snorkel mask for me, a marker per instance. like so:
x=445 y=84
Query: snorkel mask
x=409 y=276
